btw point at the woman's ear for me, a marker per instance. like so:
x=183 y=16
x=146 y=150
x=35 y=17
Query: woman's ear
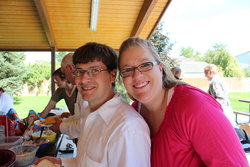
x=160 y=67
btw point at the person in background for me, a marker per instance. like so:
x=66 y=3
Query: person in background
x=65 y=90
x=7 y=105
x=176 y=71
x=113 y=134
x=218 y=89
x=187 y=125
x=80 y=107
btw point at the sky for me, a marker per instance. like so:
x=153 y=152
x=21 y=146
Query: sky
x=39 y=56
x=202 y=23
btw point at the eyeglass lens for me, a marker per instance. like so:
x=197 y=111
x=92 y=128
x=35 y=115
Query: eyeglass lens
x=142 y=68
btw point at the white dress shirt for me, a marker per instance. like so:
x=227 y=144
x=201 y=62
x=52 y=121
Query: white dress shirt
x=115 y=135
x=71 y=126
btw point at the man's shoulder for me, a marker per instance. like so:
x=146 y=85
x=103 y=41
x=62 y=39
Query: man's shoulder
x=130 y=117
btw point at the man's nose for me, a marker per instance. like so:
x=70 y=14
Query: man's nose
x=85 y=76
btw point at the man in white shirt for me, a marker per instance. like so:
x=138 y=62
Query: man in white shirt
x=113 y=134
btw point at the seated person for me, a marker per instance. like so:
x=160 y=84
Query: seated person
x=7 y=105
x=176 y=71
x=65 y=91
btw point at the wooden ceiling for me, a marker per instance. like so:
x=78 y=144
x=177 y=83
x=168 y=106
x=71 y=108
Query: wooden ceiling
x=64 y=25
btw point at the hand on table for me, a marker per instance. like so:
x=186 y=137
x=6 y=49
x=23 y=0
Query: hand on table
x=56 y=126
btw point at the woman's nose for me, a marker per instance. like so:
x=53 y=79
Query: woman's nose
x=136 y=73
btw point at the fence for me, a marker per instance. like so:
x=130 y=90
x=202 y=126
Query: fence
x=234 y=84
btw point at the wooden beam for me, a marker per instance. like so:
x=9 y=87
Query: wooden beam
x=53 y=67
x=22 y=49
x=159 y=19
x=43 y=14
x=142 y=18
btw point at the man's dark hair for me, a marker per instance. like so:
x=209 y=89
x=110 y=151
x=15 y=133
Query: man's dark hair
x=94 y=51
x=1 y=89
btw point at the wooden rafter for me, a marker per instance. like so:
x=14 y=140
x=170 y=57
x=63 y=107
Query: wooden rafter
x=43 y=14
x=159 y=19
x=39 y=25
x=145 y=11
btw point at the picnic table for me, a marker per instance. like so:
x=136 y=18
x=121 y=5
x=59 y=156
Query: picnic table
x=246 y=101
x=242 y=113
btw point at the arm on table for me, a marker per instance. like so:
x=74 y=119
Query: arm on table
x=47 y=109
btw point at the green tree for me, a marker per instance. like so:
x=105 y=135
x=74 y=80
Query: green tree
x=163 y=44
x=160 y=40
x=60 y=55
x=37 y=73
x=247 y=71
x=190 y=53
x=119 y=87
x=220 y=57
x=12 y=71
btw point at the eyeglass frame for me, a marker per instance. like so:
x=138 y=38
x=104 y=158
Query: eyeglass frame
x=88 y=71
x=132 y=69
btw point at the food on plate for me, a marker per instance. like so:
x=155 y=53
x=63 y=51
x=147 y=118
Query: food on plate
x=50 y=120
x=47 y=134
x=65 y=115
x=46 y=163
x=36 y=142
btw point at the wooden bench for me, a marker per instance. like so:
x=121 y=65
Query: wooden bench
x=240 y=113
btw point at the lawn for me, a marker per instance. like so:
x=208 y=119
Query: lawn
x=37 y=103
x=234 y=99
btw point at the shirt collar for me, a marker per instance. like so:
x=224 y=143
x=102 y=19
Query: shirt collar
x=215 y=77
x=108 y=109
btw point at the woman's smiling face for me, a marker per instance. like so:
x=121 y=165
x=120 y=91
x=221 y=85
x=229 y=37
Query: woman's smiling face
x=143 y=86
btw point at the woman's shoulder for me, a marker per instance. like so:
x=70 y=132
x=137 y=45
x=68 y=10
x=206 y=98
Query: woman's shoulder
x=190 y=94
x=188 y=89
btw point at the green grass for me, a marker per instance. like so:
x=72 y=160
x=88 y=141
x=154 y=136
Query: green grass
x=37 y=103
x=239 y=106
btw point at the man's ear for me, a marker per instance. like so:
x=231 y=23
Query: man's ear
x=71 y=67
x=113 y=75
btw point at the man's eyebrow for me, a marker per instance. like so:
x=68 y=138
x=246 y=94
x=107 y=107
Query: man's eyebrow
x=89 y=67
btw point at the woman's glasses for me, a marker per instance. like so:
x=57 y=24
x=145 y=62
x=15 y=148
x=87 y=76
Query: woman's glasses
x=142 y=68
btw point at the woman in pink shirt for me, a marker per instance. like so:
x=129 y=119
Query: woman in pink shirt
x=188 y=127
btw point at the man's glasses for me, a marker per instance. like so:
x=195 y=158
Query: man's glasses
x=142 y=68
x=91 y=72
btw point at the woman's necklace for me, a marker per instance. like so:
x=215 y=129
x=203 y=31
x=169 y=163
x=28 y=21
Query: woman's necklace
x=70 y=92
